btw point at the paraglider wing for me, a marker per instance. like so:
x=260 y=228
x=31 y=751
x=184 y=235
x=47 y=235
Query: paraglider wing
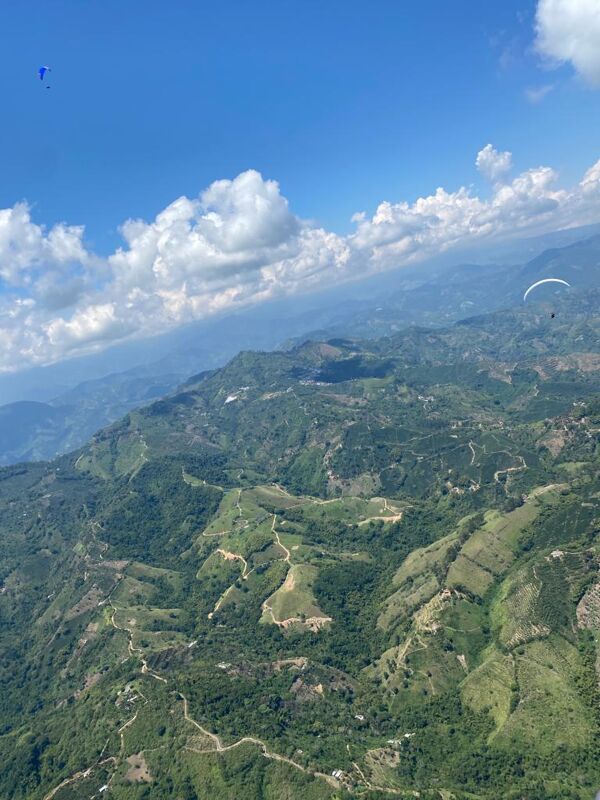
x=42 y=72
x=544 y=280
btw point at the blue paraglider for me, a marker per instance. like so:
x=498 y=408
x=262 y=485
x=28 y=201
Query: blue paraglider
x=42 y=73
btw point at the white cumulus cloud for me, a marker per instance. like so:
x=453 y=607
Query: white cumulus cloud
x=568 y=31
x=492 y=164
x=238 y=243
x=26 y=249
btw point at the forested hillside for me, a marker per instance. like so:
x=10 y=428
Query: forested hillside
x=352 y=569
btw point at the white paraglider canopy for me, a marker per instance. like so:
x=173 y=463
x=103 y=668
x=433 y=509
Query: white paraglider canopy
x=544 y=280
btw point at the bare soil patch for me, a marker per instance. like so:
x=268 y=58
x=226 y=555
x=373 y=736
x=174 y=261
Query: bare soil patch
x=306 y=692
x=138 y=771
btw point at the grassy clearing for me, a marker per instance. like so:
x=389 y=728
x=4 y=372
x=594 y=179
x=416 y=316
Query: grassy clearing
x=491 y=549
x=228 y=515
x=147 y=618
x=154 y=641
x=132 y=591
x=464 y=573
x=276 y=497
x=488 y=688
x=237 y=511
x=295 y=598
x=488 y=551
x=138 y=570
x=422 y=559
x=152 y=576
x=131 y=456
x=353 y=510
x=105 y=458
x=191 y=480
x=252 y=539
x=217 y=570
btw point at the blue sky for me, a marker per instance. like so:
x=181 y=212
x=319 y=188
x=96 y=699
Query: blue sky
x=275 y=122
x=344 y=103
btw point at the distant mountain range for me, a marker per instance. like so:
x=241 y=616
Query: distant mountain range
x=470 y=289
x=32 y=430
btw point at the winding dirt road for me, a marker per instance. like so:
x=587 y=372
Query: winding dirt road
x=219 y=747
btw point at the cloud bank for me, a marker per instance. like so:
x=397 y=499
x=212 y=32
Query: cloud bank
x=238 y=243
x=568 y=31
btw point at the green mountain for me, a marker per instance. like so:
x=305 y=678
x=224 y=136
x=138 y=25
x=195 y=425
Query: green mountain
x=351 y=569
x=39 y=431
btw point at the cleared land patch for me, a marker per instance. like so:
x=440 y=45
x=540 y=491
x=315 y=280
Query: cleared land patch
x=138 y=771
x=549 y=712
x=488 y=688
x=490 y=550
x=294 y=601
